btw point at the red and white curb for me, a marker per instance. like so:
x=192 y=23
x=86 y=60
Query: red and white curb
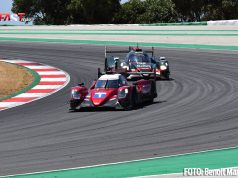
x=51 y=80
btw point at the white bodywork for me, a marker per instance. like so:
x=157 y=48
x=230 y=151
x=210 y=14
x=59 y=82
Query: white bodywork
x=110 y=77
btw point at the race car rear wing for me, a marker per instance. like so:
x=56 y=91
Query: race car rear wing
x=125 y=72
x=127 y=51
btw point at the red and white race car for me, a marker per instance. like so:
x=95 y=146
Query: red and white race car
x=113 y=91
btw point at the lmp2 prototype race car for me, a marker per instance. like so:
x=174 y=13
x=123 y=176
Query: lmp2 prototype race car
x=113 y=91
x=137 y=63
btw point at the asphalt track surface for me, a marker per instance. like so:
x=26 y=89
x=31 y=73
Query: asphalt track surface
x=196 y=111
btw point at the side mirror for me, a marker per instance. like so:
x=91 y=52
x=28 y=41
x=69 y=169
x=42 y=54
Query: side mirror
x=116 y=59
x=81 y=84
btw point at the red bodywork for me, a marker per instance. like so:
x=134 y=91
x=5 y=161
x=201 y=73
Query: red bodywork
x=107 y=92
x=82 y=90
x=111 y=97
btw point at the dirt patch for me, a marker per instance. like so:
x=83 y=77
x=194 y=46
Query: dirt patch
x=13 y=79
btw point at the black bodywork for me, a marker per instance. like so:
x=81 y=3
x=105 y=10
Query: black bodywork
x=137 y=63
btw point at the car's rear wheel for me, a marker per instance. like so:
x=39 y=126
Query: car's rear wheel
x=153 y=92
x=166 y=76
x=74 y=104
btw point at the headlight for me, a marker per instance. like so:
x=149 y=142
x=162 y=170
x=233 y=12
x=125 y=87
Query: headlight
x=75 y=94
x=123 y=93
x=125 y=66
x=163 y=67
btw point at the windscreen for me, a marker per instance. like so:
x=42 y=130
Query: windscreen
x=134 y=58
x=107 y=84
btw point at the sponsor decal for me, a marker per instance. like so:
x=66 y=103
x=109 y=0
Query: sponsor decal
x=99 y=95
x=143 y=66
x=19 y=17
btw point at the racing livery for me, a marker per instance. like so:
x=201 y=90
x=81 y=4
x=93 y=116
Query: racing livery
x=137 y=63
x=113 y=91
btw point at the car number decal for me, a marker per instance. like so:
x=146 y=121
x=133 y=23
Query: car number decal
x=99 y=95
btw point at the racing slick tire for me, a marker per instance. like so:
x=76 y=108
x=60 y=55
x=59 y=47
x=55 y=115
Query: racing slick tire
x=166 y=76
x=153 y=93
x=131 y=104
x=136 y=98
x=73 y=105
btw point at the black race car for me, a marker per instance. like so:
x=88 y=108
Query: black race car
x=137 y=63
